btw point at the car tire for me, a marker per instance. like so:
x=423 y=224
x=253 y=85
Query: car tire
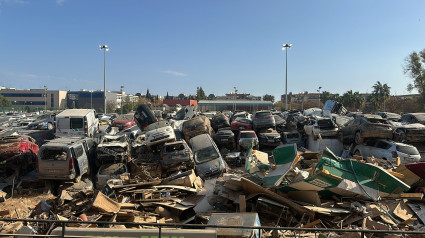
x=49 y=126
x=340 y=136
x=358 y=139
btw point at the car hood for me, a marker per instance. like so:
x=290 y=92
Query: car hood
x=121 y=121
x=210 y=167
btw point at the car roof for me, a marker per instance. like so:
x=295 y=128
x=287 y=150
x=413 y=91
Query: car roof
x=200 y=141
x=65 y=141
x=74 y=112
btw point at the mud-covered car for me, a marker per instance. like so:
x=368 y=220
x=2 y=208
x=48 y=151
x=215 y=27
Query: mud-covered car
x=219 y=120
x=110 y=171
x=225 y=137
x=208 y=160
x=364 y=127
x=408 y=133
x=196 y=126
x=246 y=139
x=389 y=116
x=269 y=137
x=418 y=117
x=113 y=149
x=18 y=152
x=324 y=126
x=263 y=119
x=240 y=124
x=176 y=156
x=158 y=133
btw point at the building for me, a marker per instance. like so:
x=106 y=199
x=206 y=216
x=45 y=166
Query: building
x=234 y=105
x=174 y=102
x=133 y=99
x=35 y=98
x=238 y=96
x=89 y=99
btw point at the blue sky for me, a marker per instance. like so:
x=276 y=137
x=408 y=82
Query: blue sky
x=175 y=46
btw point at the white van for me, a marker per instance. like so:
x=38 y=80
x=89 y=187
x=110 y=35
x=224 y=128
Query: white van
x=77 y=122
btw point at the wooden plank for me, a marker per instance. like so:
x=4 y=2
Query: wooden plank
x=242 y=203
x=311 y=224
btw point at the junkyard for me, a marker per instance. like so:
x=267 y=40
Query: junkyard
x=360 y=177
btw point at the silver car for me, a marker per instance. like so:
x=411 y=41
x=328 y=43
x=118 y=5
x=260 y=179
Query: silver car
x=263 y=119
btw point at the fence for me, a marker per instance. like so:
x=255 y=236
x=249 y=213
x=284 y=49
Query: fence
x=84 y=232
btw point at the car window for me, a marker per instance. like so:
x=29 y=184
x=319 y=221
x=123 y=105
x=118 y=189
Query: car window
x=410 y=150
x=383 y=145
x=262 y=114
x=76 y=123
x=248 y=135
x=54 y=154
x=79 y=151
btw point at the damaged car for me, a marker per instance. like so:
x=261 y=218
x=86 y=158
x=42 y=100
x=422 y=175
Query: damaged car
x=324 y=126
x=219 y=120
x=18 y=152
x=176 y=156
x=43 y=122
x=364 y=127
x=113 y=149
x=158 y=133
x=208 y=160
x=247 y=139
x=240 y=124
x=388 y=150
x=144 y=116
x=225 y=137
x=110 y=171
x=269 y=137
x=408 y=133
x=263 y=119
x=196 y=126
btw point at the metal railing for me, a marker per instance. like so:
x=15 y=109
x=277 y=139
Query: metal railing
x=296 y=231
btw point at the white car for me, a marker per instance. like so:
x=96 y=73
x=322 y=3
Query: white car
x=159 y=132
x=324 y=126
x=388 y=150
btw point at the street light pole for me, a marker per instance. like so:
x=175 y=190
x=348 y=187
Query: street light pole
x=45 y=98
x=122 y=87
x=318 y=90
x=91 y=99
x=285 y=46
x=104 y=48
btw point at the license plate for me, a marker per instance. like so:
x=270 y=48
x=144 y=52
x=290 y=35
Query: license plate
x=224 y=140
x=271 y=140
x=54 y=170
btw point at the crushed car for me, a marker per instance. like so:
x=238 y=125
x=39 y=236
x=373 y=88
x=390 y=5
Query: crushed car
x=225 y=137
x=219 y=120
x=18 y=153
x=364 y=127
x=158 y=133
x=196 y=126
x=113 y=149
x=247 y=139
x=176 y=156
x=408 y=133
x=269 y=137
x=324 y=126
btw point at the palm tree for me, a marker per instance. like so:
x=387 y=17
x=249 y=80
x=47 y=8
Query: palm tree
x=381 y=93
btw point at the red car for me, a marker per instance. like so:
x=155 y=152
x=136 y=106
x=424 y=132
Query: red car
x=18 y=152
x=124 y=121
x=241 y=124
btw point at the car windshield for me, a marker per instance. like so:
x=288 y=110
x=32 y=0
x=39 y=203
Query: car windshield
x=410 y=150
x=420 y=117
x=205 y=154
x=248 y=135
x=125 y=117
x=262 y=114
x=42 y=117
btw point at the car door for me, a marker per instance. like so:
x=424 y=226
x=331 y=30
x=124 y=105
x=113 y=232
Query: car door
x=382 y=151
x=82 y=159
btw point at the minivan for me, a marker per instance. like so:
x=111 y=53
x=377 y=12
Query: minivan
x=77 y=122
x=208 y=160
x=65 y=158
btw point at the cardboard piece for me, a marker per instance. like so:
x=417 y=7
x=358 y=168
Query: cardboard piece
x=311 y=197
x=187 y=179
x=104 y=204
x=403 y=211
x=409 y=177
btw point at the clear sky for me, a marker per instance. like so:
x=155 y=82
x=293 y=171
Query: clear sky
x=175 y=46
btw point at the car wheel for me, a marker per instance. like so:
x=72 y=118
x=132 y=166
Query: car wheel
x=49 y=126
x=340 y=136
x=358 y=139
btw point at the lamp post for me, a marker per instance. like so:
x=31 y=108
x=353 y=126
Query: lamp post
x=284 y=46
x=45 y=98
x=302 y=102
x=122 y=87
x=104 y=48
x=318 y=90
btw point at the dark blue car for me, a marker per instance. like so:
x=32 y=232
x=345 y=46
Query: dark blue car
x=45 y=121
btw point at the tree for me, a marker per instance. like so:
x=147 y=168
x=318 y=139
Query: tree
x=4 y=101
x=181 y=96
x=211 y=97
x=167 y=97
x=200 y=94
x=329 y=96
x=415 y=68
x=380 y=94
x=148 y=94
x=268 y=97
x=110 y=106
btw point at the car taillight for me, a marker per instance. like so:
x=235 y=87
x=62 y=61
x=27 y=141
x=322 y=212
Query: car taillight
x=270 y=116
x=71 y=163
x=86 y=129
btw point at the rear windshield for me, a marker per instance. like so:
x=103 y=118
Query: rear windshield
x=410 y=150
x=54 y=154
x=157 y=125
x=248 y=135
x=205 y=154
x=262 y=114
x=125 y=117
x=76 y=123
